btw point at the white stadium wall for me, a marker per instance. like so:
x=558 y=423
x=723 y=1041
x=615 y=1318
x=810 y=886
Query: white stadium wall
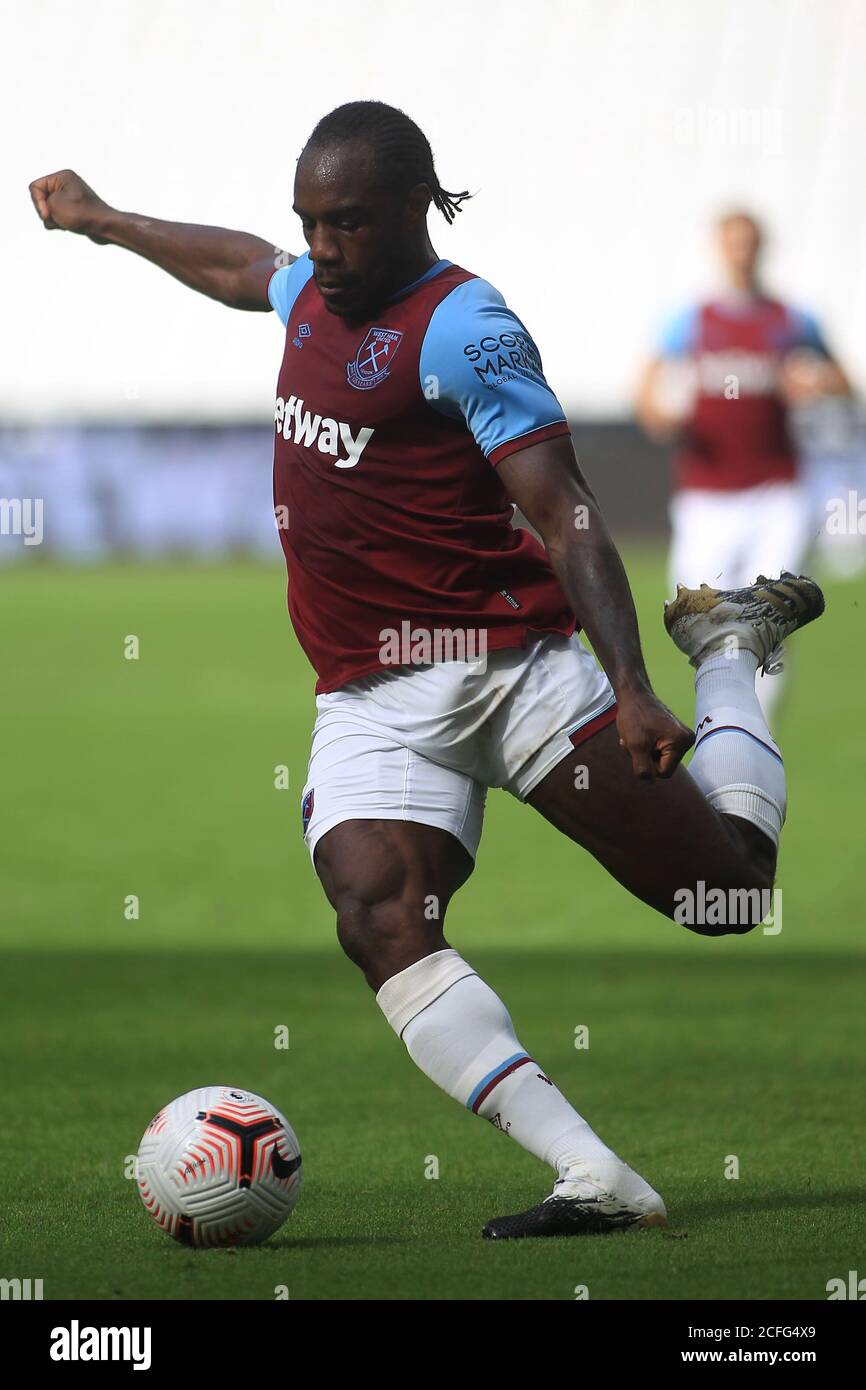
x=598 y=135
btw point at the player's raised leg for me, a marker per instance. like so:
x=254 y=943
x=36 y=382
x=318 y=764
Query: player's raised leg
x=717 y=824
x=381 y=878
x=708 y=835
x=732 y=638
x=781 y=542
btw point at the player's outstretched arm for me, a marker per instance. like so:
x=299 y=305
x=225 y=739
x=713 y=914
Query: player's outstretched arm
x=807 y=376
x=546 y=483
x=659 y=421
x=232 y=267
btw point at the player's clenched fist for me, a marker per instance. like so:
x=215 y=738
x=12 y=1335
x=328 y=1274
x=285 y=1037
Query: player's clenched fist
x=653 y=737
x=66 y=203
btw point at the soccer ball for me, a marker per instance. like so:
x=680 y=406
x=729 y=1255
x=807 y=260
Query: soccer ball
x=219 y=1166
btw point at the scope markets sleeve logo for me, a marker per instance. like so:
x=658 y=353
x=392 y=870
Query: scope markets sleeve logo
x=503 y=357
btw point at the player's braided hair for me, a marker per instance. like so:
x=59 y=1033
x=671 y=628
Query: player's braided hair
x=401 y=150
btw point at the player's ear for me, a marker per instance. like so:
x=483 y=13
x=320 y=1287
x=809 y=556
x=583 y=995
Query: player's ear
x=418 y=200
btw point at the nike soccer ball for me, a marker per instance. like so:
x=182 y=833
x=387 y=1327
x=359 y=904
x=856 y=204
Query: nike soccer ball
x=219 y=1166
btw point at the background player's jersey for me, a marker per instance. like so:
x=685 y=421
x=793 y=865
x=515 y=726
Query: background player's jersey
x=392 y=516
x=737 y=435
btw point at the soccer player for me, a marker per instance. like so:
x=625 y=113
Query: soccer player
x=411 y=412
x=723 y=378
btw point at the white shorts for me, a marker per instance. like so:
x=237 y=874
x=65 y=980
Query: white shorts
x=424 y=743
x=726 y=539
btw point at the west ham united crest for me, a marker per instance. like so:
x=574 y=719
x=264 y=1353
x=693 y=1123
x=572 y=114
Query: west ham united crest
x=372 y=361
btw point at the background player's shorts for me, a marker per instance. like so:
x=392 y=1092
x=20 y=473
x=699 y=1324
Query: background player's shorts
x=424 y=743
x=726 y=539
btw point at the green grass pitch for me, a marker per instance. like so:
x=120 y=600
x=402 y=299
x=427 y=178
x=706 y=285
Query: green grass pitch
x=155 y=777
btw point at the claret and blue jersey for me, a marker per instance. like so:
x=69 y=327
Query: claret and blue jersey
x=387 y=437
x=737 y=435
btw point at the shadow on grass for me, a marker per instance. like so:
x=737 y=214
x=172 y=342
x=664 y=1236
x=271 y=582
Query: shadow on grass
x=336 y=1242
x=849 y=1198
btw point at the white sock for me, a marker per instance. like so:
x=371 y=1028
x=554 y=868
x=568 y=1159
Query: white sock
x=459 y=1033
x=769 y=690
x=736 y=762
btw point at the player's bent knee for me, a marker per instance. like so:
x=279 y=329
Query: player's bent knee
x=385 y=936
x=363 y=926
x=723 y=907
x=390 y=898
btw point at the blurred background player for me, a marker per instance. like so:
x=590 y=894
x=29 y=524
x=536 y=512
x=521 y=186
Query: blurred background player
x=723 y=381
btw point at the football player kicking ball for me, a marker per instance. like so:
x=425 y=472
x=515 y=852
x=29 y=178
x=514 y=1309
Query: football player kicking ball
x=411 y=412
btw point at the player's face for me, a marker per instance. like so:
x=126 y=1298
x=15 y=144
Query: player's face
x=359 y=236
x=740 y=245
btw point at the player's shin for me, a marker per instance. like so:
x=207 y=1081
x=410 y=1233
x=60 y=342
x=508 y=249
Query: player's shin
x=736 y=762
x=728 y=634
x=771 y=690
x=460 y=1034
